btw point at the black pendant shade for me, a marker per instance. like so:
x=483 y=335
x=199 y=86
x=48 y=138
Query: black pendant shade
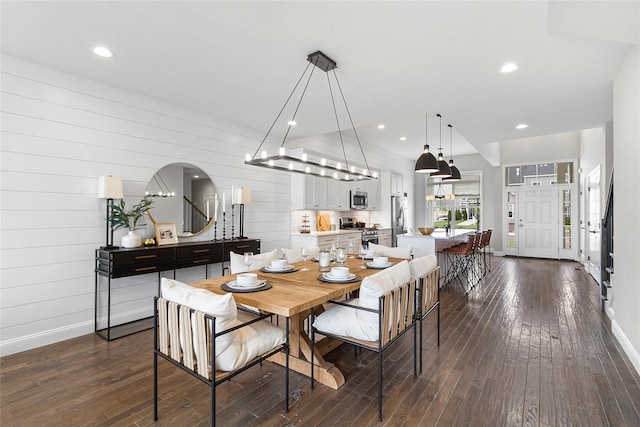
x=427 y=162
x=443 y=168
x=455 y=174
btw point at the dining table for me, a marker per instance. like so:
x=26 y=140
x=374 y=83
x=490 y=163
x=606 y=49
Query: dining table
x=293 y=295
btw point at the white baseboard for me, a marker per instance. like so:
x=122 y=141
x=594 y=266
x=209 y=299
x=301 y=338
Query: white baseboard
x=626 y=345
x=497 y=253
x=28 y=342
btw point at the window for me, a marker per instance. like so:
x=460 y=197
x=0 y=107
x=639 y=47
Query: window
x=456 y=204
x=539 y=174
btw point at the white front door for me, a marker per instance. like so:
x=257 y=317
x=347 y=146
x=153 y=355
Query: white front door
x=538 y=221
x=593 y=224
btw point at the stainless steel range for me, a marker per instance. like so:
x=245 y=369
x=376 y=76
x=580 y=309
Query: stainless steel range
x=369 y=235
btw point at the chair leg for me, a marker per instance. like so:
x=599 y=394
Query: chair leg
x=380 y=385
x=155 y=386
x=213 y=398
x=420 y=343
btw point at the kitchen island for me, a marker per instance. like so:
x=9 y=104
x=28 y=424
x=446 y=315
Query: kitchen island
x=427 y=245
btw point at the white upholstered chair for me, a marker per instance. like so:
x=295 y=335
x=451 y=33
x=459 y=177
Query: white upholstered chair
x=259 y=260
x=384 y=311
x=382 y=250
x=205 y=335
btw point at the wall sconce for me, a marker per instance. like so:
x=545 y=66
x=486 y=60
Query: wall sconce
x=110 y=188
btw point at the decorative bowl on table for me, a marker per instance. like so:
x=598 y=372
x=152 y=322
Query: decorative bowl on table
x=426 y=230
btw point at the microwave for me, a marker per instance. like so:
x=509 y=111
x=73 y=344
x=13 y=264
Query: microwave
x=359 y=199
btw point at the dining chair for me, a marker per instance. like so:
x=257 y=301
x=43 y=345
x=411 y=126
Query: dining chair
x=206 y=336
x=391 y=252
x=384 y=311
x=426 y=273
x=486 y=243
x=236 y=264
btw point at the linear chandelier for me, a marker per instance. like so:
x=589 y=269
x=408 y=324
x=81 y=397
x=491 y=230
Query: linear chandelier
x=299 y=161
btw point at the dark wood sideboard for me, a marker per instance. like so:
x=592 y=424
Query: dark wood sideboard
x=121 y=262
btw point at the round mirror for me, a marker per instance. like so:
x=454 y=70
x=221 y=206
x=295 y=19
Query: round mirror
x=182 y=194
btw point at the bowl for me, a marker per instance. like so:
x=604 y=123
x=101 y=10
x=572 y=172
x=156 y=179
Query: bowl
x=426 y=230
x=380 y=260
x=340 y=272
x=246 y=279
x=279 y=264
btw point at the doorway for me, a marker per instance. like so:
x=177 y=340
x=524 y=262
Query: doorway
x=593 y=237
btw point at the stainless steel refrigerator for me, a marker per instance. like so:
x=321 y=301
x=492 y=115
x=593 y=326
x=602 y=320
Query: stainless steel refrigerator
x=398 y=217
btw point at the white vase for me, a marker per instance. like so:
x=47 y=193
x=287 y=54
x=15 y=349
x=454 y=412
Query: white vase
x=131 y=240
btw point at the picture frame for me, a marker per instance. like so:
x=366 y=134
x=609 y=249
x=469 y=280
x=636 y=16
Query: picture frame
x=166 y=233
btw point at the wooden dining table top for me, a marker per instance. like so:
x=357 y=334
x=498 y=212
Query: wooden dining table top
x=295 y=292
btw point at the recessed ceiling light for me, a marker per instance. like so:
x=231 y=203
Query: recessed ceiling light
x=509 y=68
x=102 y=51
x=522 y=126
x=380 y=126
x=403 y=138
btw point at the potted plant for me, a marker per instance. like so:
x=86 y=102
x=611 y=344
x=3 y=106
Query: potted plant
x=120 y=217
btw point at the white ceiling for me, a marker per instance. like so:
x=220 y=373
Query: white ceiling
x=396 y=60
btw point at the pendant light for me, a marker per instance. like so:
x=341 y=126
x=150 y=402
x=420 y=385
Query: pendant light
x=427 y=162
x=298 y=160
x=455 y=172
x=443 y=167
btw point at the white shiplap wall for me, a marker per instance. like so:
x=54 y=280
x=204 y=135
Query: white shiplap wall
x=59 y=133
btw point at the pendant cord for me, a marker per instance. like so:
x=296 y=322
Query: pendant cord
x=304 y=91
x=440 y=133
x=351 y=121
x=281 y=110
x=335 y=113
x=451 y=142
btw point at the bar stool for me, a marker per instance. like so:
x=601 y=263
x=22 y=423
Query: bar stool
x=458 y=260
x=486 y=243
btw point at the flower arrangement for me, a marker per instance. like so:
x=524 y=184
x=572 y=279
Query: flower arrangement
x=121 y=218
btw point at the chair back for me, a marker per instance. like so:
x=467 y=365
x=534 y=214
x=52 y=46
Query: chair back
x=396 y=312
x=428 y=290
x=471 y=239
x=487 y=240
x=176 y=325
x=477 y=240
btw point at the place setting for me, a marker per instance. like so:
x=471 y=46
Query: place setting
x=246 y=282
x=338 y=275
x=379 y=263
x=279 y=266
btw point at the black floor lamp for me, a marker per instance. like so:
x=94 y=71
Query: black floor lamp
x=110 y=188
x=242 y=197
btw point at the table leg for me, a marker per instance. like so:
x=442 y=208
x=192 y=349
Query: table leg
x=300 y=353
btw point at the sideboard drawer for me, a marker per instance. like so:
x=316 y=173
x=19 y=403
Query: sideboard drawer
x=123 y=263
x=193 y=255
x=241 y=246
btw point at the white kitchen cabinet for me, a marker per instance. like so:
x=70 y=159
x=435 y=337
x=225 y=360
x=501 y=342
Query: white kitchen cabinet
x=372 y=187
x=315 y=192
x=323 y=240
x=338 y=195
x=384 y=236
x=397 y=184
x=308 y=192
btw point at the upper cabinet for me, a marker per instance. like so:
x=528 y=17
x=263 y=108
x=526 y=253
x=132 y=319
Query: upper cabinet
x=397 y=184
x=337 y=195
x=312 y=192
x=315 y=192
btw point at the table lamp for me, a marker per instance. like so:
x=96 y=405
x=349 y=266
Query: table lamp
x=110 y=188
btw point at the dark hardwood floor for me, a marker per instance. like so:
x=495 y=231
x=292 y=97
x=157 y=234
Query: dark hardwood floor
x=528 y=346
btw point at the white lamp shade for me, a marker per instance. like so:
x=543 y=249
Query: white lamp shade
x=243 y=196
x=110 y=187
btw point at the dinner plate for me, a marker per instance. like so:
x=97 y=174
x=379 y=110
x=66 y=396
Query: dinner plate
x=234 y=285
x=287 y=269
x=378 y=266
x=330 y=278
